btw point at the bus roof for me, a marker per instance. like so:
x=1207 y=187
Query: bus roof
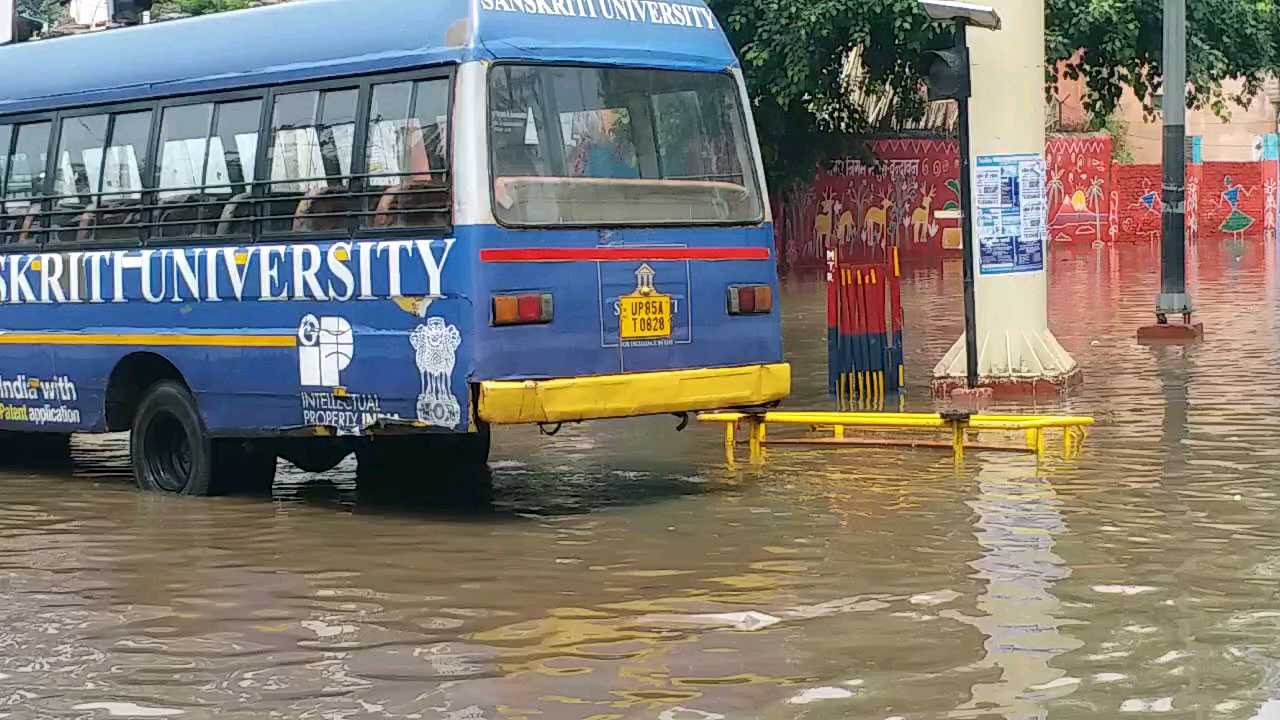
x=312 y=39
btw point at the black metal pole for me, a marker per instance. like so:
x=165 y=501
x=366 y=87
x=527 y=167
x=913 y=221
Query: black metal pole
x=966 y=231
x=1174 y=299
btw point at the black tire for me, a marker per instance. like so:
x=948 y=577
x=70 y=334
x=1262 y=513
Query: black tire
x=170 y=450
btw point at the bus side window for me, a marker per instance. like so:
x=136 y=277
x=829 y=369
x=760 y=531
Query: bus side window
x=24 y=183
x=309 y=161
x=7 y=220
x=408 y=174
x=78 y=175
x=228 y=175
x=184 y=149
x=117 y=212
x=98 y=184
x=207 y=155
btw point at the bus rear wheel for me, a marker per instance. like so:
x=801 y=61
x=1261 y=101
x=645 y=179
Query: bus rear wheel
x=172 y=452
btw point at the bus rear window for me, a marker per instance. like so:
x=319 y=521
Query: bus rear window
x=617 y=146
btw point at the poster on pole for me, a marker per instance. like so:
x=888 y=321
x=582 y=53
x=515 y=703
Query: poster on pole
x=1010 y=216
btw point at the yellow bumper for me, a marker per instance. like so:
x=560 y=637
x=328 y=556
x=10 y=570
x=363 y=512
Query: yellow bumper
x=614 y=396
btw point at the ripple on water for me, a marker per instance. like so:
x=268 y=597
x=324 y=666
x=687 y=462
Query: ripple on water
x=129 y=710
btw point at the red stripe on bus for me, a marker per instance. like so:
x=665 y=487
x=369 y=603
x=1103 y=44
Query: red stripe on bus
x=498 y=255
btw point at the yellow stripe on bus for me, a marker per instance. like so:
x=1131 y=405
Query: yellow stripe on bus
x=261 y=341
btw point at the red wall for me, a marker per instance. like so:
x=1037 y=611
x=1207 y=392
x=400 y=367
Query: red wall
x=1208 y=208
x=1078 y=186
x=863 y=210
x=1214 y=207
x=1136 y=203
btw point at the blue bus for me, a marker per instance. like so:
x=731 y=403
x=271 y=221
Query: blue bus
x=380 y=227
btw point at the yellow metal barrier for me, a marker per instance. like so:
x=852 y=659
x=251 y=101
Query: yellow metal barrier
x=956 y=426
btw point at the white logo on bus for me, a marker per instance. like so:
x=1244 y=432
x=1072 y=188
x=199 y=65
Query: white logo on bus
x=325 y=347
x=435 y=349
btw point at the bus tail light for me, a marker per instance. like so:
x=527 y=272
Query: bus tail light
x=750 y=299
x=523 y=309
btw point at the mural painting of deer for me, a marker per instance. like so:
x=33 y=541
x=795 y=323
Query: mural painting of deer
x=877 y=217
x=922 y=217
x=846 y=225
x=822 y=223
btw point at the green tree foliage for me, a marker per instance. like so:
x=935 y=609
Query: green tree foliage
x=806 y=101
x=1122 y=46
x=792 y=53
x=46 y=11
x=52 y=12
x=1118 y=129
x=198 y=7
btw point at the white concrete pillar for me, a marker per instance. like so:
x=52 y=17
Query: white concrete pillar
x=1016 y=352
x=8 y=14
x=89 y=12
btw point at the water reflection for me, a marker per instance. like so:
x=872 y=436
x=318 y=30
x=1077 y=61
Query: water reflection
x=1018 y=521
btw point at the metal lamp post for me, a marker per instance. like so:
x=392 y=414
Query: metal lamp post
x=1174 y=298
x=948 y=79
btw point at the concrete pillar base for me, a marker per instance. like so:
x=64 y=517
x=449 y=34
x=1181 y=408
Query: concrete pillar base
x=971 y=400
x=1015 y=364
x=1007 y=388
x=1170 y=334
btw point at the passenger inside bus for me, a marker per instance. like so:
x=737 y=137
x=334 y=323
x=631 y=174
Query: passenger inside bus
x=598 y=147
x=415 y=193
x=206 y=176
x=618 y=146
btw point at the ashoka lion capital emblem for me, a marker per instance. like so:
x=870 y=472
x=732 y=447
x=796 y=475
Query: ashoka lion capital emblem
x=435 y=347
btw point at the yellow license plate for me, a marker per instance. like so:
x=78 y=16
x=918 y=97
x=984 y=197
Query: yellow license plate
x=644 y=316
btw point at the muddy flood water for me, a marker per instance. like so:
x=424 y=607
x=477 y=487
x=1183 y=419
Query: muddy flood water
x=620 y=570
